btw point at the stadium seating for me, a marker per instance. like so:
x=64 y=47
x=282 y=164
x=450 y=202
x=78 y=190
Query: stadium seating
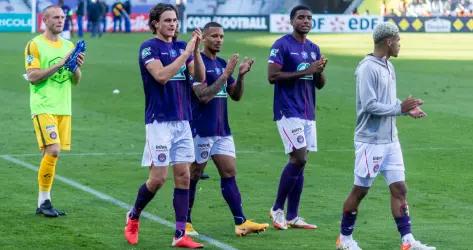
x=13 y=6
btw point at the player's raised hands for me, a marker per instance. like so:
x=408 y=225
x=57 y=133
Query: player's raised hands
x=410 y=103
x=318 y=66
x=245 y=66
x=417 y=113
x=197 y=33
x=191 y=45
x=231 y=65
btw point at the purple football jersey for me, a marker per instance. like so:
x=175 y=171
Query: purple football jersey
x=295 y=98
x=171 y=101
x=211 y=119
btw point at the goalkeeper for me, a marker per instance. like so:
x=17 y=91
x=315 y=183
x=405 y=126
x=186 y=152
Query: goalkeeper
x=52 y=66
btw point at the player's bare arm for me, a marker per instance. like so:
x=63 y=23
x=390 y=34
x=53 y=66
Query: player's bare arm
x=275 y=74
x=205 y=93
x=163 y=74
x=37 y=75
x=236 y=90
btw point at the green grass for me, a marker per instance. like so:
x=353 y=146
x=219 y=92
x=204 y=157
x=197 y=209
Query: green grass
x=437 y=150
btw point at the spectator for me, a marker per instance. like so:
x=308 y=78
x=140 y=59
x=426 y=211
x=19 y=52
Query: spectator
x=104 y=6
x=126 y=14
x=66 y=32
x=94 y=13
x=117 y=12
x=80 y=17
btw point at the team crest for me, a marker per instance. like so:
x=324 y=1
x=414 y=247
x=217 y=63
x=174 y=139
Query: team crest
x=162 y=157
x=376 y=168
x=145 y=52
x=218 y=71
x=204 y=154
x=273 y=52
x=53 y=135
x=173 y=53
x=304 y=55
x=300 y=139
x=313 y=55
x=29 y=59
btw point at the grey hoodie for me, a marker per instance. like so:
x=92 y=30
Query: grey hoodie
x=376 y=103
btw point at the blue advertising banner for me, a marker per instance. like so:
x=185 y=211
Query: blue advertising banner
x=432 y=24
x=15 y=22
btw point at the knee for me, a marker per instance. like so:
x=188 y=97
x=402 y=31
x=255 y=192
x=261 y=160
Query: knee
x=299 y=161
x=359 y=193
x=399 y=191
x=154 y=183
x=53 y=150
x=182 y=178
x=196 y=171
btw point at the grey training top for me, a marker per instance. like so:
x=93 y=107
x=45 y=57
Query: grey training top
x=376 y=103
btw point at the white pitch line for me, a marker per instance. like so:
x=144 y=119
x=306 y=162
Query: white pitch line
x=114 y=201
x=244 y=151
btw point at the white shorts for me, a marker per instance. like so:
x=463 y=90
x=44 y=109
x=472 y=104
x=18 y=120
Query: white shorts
x=370 y=159
x=168 y=143
x=213 y=145
x=297 y=133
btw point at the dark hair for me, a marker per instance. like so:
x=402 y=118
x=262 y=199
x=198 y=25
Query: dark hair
x=155 y=14
x=297 y=8
x=212 y=25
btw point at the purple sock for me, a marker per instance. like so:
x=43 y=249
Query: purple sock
x=181 y=205
x=231 y=194
x=192 y=189
x=403 y=225
x=143 y=197
x=294 y=197
x=289 y=177
x=348 y=222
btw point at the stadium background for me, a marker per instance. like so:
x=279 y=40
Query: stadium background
x=100 y=176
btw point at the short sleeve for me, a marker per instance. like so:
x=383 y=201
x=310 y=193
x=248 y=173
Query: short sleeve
x=276 y=54
x=32 y=56
x=148 y=53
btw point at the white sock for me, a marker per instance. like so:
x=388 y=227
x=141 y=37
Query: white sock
x=408 y=238
x=42 y=196
x=346 y=238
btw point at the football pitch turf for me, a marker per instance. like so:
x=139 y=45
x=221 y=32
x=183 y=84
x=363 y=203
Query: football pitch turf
x=101 y=175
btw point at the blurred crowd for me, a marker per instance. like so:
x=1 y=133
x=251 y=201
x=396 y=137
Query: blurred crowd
x=430 y=8
x=96 y=12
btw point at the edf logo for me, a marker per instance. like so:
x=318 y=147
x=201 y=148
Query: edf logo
x=362 y=23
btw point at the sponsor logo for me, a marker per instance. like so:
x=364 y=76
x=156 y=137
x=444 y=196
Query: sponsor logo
x=240 y=23
x=204 y=145
x=145 y=52
x=304 y=55
x=50 y=128
x=218 y=71
x=294 y=53
x=438 y=25
x=204 y=154
x=161 y=147
x=180 y=75
x=273 y=52
x=173 y=53
x=377 y=158
x=297 y=130
x=313 y=55
x=29 y=59
x=162 y=157
x=300 y=139
x=53 y=135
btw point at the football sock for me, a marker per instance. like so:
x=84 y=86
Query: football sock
x=348 y=222
x=232 y=196
x=289 y=177
x=403 y=225
x=181 y=206
x=192 y=190
x=143 y=197
x=408 y=238
x=293 y=198
x=46 y=171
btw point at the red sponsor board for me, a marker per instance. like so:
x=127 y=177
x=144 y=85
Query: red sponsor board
x=139 y=23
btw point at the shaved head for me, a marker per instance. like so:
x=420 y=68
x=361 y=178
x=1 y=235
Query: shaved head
x=47 y=11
